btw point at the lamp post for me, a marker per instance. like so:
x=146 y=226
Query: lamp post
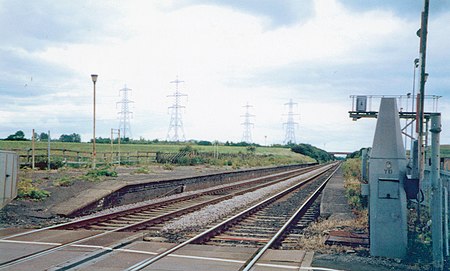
x=94 y=80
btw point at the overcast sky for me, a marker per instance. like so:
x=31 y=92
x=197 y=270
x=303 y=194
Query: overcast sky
x=229 y=53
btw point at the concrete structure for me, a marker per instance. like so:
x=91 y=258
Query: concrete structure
x=9 y=168
x=387 y=199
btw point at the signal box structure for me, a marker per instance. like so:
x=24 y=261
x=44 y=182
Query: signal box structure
x=387 y=197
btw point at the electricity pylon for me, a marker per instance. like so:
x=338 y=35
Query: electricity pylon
x=176 y=122
x=125 y=114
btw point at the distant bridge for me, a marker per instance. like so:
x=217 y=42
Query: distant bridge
x=339 y=153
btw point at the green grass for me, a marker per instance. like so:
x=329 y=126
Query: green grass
x=87 y=147
x=27 y=189
x=445 y=150
x=262 y=156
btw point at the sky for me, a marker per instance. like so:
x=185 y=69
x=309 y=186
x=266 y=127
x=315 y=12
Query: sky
x=228 y=53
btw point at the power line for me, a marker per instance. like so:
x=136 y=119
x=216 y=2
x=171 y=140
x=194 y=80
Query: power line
x=125 y=114
x=290 y=124
x=176 y=122
x=247 y=135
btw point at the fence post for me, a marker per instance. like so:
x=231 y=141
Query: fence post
x=64 y=156
x=49 y=160
x=33 y=150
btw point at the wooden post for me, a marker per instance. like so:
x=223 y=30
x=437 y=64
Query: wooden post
x=32 y=150
x=49 y=160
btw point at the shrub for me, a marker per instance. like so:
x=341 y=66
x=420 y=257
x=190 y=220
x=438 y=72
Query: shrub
x=101 y=172
x=27 y=190
x=352 y=174
x=95 y=175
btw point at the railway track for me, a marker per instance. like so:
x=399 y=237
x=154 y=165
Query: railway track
x=147 y=216
x=257 y=225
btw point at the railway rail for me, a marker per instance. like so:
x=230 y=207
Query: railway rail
x=220 y=230
x=143 y=217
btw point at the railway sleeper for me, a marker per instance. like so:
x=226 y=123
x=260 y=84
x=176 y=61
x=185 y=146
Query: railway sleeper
x=132 y=219
x=251 y=231
x=101 y=228
x=252 y=235
x=141 y=216
x=112 y=224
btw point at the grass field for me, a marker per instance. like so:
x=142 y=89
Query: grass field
x=445 y=150
x=262 y=156
x=87 y=147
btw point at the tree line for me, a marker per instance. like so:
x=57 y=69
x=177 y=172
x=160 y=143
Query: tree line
x=305 y=149
x=313 y=152
x=20 y=136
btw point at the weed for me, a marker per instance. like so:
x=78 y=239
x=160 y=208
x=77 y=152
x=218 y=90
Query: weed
x=64 y=182
x=102 y=172
x=27 y=190
x=98 y=174
x=352 y=174
x=168 y=166
x=142 y=170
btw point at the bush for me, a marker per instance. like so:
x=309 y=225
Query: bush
x=187 y=148
x=313 y=152
x=98 y=174
x=101 y=172
x=27 y=190
x=352 y=168
x=352 y=174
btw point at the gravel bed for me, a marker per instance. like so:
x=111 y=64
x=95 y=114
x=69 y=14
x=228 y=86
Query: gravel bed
x=220 y=210
x=153 y=201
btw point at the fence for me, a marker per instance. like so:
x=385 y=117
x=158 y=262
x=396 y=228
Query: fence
x=60 y=157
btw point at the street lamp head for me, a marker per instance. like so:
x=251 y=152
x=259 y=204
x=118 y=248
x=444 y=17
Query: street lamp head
x=94 y=77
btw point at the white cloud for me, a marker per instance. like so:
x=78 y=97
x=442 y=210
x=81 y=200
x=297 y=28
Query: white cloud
x=228 y=57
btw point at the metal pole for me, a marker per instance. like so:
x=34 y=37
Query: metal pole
x=119 y=145
x=423 y=48
x=436 y=195
x=446 y=221
x=94 y=153
x=48 y=152
x=406 y=123
x=112 y=144
x=416 y=64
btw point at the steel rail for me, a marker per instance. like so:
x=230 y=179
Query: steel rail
x=157 y=204
x=288 y=223
x=153 y=220
x=142 y=264
x=160 y=218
